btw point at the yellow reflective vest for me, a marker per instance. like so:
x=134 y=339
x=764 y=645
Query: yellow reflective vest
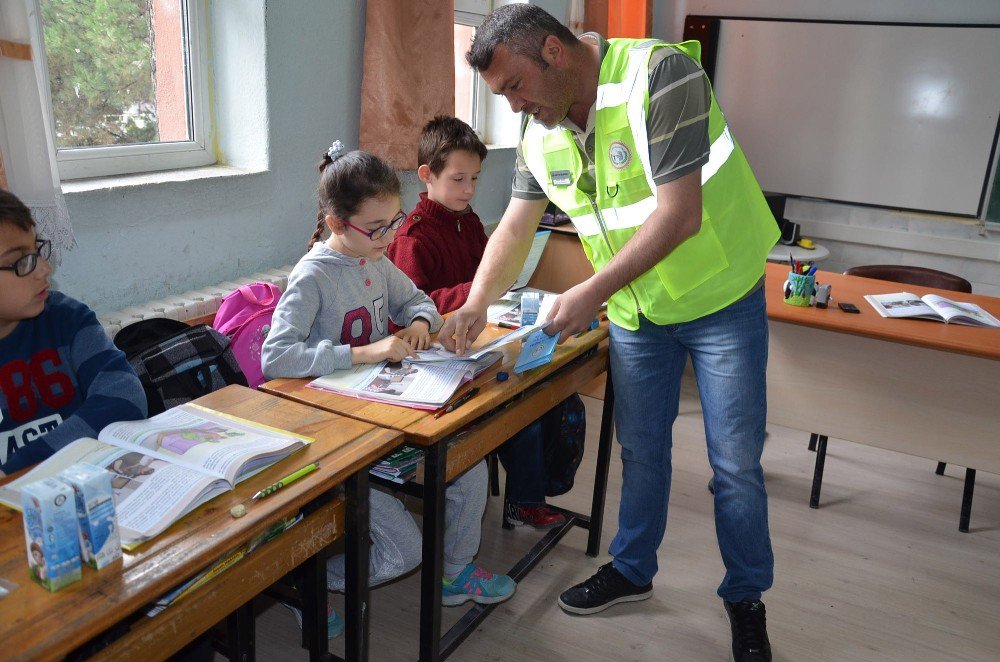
x=706 y=272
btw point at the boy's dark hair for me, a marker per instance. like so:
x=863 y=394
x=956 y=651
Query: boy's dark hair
x=444 y=135
x=522 y=28
x=14 y=212
x=346 y=181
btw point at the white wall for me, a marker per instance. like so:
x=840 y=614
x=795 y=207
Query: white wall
x=149 y=240
x=859 y=235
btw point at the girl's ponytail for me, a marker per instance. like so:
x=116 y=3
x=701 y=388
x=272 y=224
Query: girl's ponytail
x=318 y=234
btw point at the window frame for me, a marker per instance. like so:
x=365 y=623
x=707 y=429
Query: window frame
x=473 y=13
x=114 y=160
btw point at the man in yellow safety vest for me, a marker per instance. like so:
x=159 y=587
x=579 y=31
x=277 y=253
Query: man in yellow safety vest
x=626 y=137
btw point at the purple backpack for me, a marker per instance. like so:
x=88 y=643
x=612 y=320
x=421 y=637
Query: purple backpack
x=245 y=316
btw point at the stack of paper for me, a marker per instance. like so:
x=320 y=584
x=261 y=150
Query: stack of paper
x=400 y=465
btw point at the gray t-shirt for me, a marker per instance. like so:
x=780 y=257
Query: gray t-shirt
x=677 y=123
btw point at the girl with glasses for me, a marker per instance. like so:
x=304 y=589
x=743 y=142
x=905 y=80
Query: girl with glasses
x=334 y=314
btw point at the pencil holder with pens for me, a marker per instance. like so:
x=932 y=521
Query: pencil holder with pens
x=799 y=289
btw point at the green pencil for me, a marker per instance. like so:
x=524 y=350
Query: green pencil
x=291 y=478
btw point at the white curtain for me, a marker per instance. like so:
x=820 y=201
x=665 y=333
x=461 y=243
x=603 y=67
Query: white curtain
x=26 y=140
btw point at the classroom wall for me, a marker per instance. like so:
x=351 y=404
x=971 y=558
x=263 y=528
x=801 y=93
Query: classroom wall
x=854 y=234
x=148 y=239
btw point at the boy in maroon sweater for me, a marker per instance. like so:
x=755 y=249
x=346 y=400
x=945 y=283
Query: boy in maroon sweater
x=439 y=247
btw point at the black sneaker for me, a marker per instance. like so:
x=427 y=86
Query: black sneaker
x=750 y=643
x=607 y=587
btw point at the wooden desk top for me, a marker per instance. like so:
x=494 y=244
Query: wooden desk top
x=420 y=425
x=36 y=624
x=974 y=341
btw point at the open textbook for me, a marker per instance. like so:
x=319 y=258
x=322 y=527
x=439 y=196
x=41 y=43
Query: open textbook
x=427 y=382
x=168 y=465
x=931 y=306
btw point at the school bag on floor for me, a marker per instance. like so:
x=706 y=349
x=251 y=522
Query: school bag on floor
x=564 y=430
x=177 y=362
x=245 y=316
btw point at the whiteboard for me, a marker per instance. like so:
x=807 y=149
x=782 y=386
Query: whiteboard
x=898 y=116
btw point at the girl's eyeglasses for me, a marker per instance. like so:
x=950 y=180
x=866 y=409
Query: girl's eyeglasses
x=381 y=230
x=27 y=263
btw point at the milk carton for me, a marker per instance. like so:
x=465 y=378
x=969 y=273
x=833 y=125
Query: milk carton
x=100 y=544
x=50 y=533
x=530 y=304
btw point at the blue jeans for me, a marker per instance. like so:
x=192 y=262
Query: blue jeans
x=728 y=350
x=523 y=459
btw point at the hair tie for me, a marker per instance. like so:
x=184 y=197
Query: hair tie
x=336 y=150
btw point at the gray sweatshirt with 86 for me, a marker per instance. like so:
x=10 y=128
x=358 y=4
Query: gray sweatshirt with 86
x=333 y=303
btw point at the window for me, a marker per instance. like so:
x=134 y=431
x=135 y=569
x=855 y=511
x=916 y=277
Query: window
x=470 y=90
x=127 y=84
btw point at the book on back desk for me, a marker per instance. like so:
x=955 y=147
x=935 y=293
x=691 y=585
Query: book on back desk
x=932 y=307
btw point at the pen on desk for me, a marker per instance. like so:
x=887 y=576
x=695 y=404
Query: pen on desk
x=291 y=478
x=507 y=325
x=459 y=401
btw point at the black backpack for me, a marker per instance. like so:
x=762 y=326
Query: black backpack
x=177 y=362
x=564 y=430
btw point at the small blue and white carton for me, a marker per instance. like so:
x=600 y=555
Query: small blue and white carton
x=100 y=543
x=531 y=303
x=50 y=533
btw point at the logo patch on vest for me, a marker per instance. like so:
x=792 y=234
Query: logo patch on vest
x=620 y=155
x=561 y=178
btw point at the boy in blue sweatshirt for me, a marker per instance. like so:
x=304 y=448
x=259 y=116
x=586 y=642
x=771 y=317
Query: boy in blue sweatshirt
x=61 y=378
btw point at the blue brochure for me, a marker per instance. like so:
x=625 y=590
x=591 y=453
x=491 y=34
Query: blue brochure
x=536 y=351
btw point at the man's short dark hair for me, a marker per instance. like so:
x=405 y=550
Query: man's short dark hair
x=522 y=28
x=444 y=135
x=14 y=212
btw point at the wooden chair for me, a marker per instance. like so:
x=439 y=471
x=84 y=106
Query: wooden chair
x=909 y=276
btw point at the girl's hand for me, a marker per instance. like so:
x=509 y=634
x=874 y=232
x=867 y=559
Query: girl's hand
x=417 y=335
x=392 y=349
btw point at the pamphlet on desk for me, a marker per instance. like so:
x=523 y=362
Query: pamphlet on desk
x=168 y=465
x=931 y=306
x=507 y=311
x=425 y=382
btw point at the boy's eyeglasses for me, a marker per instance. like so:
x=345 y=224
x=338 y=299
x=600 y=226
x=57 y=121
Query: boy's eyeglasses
x=381 y=230
x=27 y=263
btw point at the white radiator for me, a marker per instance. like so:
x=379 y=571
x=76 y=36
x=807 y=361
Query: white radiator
x=190 y=304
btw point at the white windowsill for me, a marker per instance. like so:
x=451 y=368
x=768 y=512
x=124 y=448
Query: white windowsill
x=153 y=178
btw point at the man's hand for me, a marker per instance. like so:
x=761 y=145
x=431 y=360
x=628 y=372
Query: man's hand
x=574 y=310
x=461 y=328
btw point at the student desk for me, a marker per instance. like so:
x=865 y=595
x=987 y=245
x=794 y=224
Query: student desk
x=36 y=624
x=456 y=441
x=916 y=386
